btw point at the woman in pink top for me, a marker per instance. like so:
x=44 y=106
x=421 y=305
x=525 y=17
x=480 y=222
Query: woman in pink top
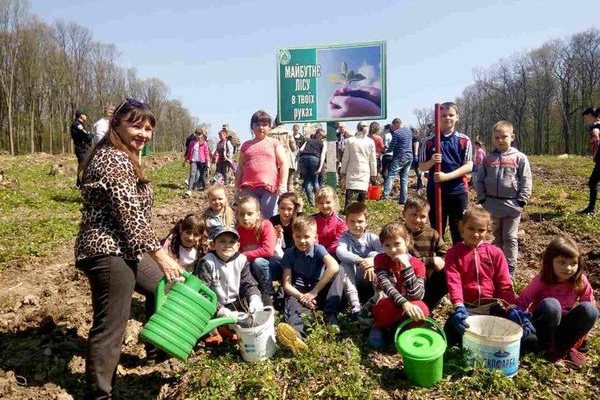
x=263 y=170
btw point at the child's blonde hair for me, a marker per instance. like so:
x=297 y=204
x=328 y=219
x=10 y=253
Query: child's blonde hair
x=258 y=228
x=503 y=126
x=477 y=213
x=325 y=192
x=303 y=223
x=566 y=247
x=190 y=223
x=227 y=210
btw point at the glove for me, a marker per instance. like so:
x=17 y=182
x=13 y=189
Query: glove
x=523 y=319
x=255 y=304
x=458 y=319
x=226 y=312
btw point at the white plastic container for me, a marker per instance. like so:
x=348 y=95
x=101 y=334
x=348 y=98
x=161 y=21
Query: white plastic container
x=494 y=343
x=258 y=343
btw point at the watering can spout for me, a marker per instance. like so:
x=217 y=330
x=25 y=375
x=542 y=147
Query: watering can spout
x=214 y=323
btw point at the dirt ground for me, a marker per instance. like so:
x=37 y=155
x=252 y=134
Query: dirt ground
x=45 y=313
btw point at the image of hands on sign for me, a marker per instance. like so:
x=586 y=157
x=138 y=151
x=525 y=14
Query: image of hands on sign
x=349 y=101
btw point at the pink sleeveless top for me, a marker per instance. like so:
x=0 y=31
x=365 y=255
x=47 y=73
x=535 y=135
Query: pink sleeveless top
x=260 y=165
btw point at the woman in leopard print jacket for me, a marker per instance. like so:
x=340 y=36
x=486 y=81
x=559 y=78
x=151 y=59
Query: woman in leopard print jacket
x=114 y=234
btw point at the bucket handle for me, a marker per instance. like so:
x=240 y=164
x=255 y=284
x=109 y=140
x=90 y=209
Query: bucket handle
x=162 y=284
x=432 y=322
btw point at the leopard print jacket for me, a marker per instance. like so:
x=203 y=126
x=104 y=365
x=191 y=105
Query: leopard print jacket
x=115 y=219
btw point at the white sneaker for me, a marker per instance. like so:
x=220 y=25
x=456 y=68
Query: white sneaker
x=188 y=193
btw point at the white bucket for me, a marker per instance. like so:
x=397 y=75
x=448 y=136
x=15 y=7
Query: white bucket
x=494 y=343
x=258 y=343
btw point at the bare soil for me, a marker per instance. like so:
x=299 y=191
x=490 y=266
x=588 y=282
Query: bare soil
x=45 y=314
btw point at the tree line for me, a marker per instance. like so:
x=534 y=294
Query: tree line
x=542 y=92
x=47 y=72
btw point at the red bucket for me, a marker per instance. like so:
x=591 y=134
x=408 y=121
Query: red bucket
x=374 y=192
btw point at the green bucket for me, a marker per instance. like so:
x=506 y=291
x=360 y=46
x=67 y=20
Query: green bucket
x=183 y=315
x=422 y=352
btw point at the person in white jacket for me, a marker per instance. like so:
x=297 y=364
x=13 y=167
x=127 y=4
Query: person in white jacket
x=100 y=127
x=359 y=164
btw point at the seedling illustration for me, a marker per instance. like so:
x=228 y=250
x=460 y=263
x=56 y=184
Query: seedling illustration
x=346 y=78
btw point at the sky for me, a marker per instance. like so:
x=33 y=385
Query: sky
x=219 y=57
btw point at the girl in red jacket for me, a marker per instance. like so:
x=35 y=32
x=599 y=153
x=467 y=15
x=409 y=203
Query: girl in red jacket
x=257 y=242
x=478 y=280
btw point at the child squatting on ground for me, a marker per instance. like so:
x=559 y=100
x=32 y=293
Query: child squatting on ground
x=308 y=270
x=430 y=247
x=219 y=214
x=258 y=241
x=356 y=251
x=479 y=282
x=188 y=240
x=227 y=273
x=562 y=302
x=503 y=187
x=404 y=298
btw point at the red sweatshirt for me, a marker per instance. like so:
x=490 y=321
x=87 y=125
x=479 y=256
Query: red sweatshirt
x=329 y=231
x=477 y=274
x=253 y=247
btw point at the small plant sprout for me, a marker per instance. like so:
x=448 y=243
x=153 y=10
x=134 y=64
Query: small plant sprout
x=345 y=77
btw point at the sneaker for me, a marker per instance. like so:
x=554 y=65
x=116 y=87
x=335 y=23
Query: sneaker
x=576 y=359
x=332 y=324
x=587 y=210
x=376 y=338
x=289 y=337
x=583 y=348
x=227 y=333
x=213 y=340
x=188 y=193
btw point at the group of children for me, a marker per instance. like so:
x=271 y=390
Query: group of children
x=320 y=261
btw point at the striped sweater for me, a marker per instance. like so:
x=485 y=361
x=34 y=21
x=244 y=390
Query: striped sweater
x=410 y=280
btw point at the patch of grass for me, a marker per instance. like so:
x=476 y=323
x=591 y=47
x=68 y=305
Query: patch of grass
x=330 y=369
x=40 y=212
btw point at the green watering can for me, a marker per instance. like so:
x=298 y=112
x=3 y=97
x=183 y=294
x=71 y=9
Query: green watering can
x=182 y=316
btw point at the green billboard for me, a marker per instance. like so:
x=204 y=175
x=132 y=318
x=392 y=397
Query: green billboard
x=331 y=83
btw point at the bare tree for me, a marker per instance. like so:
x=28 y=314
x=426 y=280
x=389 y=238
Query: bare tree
x=12 y=15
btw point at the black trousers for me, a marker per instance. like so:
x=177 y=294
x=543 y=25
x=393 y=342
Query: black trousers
x=351 y=194
x=112 y=282
x=593 y=185
x=453 y=209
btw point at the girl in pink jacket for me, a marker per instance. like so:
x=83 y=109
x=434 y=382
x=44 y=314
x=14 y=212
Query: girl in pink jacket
x=562 y=302
x=479 y=281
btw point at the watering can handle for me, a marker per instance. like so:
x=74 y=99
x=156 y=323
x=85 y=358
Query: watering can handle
x=431 y=322
x=160 y=291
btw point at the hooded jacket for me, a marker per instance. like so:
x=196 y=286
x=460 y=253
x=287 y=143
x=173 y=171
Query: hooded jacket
x=504 y=182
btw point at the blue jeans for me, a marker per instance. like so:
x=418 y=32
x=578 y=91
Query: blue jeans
x=400 y=164
x=267 y=200
x=308 y=165
x=562 y=330
x=265 y=271
x=197 y=177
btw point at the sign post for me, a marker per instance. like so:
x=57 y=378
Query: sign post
x=331 y=177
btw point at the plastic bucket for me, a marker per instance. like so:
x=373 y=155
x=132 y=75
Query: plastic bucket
x=374 y=192
x=494 y=343
x=422 y=350
x=258 y=343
